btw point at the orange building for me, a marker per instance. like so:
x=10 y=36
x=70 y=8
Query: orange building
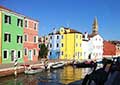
x=109 y=49
x=30 y=40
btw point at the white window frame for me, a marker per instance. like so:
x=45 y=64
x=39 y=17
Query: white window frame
x=34 y=50
x=7 y=54
x=19 y=41
x=26 y=51
x=20 y=53
x=26 y=24
x=7 y=37
x=26 y=37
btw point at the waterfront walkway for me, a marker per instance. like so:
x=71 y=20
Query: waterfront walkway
x=8 y=69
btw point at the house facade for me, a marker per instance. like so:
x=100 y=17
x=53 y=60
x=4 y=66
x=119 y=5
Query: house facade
x=54 y=45
x=71 y=44
x=93 y=44
x=31 y=49
x=11 y=36
x=109 y=49
x=15 y=37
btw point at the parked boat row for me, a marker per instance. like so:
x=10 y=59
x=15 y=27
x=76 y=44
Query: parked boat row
x=32 y=70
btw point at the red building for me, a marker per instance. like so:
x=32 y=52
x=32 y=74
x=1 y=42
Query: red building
x=30 y=40
x=109 y=49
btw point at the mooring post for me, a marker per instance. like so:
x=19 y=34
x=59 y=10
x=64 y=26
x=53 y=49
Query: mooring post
x=15 y=67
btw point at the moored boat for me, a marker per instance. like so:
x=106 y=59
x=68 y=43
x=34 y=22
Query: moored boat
x=85 y=64
x=32 y=71
x=57 y=65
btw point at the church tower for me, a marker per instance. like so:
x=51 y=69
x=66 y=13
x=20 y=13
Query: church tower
x=95 y=26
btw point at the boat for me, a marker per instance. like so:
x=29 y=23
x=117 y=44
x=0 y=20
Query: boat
x=85 y=64
x=32 y=71
x=57 y=65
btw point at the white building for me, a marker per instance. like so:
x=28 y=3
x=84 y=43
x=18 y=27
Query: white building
x=92 y=44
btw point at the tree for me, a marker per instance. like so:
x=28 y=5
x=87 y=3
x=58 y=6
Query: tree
x=43 y=51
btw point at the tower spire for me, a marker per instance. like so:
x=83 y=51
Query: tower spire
x=95 y=26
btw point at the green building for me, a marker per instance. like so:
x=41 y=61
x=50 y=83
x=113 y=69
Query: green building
x=11 y=43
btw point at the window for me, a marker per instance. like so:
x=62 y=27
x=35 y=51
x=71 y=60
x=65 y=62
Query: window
x=26 y=23
x=7 y=19
x=35 y=39
x=7 y=37
x=80 y=45
x=62 y=44
x=25 y=38
x=19 y=54
x=19 y=39
x=80 y=36
x=34 y=52
x=25 y=51
x=50 y=53
x=35 y=26
x=5 y=54
x=62 y=53
x=62 y=36
x=57 y=45
x=50 y=45
x=76 y=44
x=20 y=22
x=76 y=36
x=50 y=37
x=57 y=37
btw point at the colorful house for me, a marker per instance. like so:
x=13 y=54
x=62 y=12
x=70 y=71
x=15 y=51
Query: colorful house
x=15 y=37
x=94 y=43
x=30 y=40
x=54 y=45
x=71 y=44
x=11 y=36
x=109 y=49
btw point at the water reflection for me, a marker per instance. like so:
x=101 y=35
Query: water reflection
x=53 y=77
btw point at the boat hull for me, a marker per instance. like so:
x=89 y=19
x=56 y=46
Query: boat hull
x=31 y=72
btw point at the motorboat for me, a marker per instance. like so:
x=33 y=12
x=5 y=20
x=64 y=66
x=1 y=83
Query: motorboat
x=32 y=71
x=85 y=64
x=57 y=65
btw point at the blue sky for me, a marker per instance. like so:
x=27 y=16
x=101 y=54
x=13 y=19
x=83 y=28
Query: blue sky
x=76 y=14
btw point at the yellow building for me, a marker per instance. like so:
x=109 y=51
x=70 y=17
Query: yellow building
x=71 y=41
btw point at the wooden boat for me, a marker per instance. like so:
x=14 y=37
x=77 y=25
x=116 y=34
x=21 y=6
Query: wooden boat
x=32 y=71
x=57 y=65
x=85 y=64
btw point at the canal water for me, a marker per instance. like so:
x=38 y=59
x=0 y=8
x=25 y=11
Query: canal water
x=62 y=76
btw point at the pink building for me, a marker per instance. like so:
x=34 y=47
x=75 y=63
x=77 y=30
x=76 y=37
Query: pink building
x=30 y=40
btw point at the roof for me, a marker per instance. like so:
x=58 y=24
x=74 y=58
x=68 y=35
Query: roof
x=16 y=13
x=92 y=35
x=72 y=30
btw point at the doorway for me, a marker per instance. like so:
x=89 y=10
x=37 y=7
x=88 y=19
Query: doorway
x=12 y=55
x=30 y=54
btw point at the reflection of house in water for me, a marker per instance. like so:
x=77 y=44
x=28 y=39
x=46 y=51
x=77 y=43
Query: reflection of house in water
x=70 y=74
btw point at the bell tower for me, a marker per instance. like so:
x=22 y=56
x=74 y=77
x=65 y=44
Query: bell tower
x=95 y=26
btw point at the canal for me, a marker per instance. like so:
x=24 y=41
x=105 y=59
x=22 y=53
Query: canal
x=60 y=76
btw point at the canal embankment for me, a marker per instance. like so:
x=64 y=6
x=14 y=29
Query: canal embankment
x=8 y=69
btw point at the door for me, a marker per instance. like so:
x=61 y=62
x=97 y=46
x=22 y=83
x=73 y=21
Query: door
x=30 y=54
x=12 y=55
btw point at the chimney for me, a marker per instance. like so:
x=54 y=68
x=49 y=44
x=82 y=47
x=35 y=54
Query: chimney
x=86 y=36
